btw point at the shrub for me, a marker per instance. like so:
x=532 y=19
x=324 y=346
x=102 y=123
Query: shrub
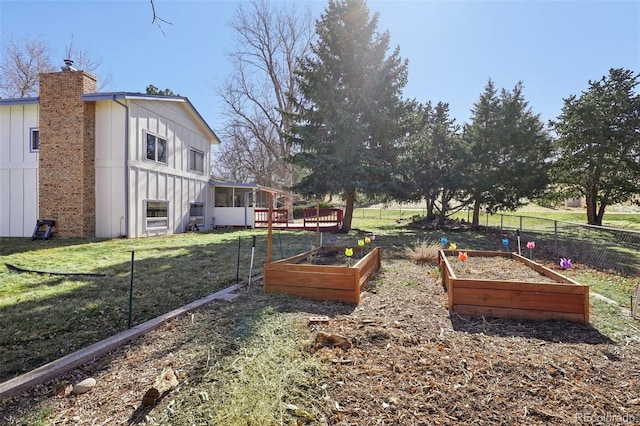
x=423 y=252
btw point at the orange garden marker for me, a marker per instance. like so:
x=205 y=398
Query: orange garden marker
x=462 y=255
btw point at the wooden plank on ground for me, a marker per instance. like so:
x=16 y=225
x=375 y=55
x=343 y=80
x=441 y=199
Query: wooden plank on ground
x=62 y=365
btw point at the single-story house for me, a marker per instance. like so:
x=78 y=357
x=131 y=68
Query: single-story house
x=108 y=165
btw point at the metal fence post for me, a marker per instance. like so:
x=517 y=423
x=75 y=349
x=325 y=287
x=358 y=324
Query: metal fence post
x=521 y=224
x=131 y=294
x=555 y=237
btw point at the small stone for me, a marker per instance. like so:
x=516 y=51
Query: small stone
x=84 y=386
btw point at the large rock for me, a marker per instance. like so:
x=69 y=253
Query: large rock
x=84 y=386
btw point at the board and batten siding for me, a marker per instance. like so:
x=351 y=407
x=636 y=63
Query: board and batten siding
x=172 y=182
x=110 y=170
x=18 y=170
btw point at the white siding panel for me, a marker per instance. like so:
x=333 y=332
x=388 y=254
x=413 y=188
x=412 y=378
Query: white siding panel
x=171 y=196
x=110 y=203
x=171 y=145
x=153 y=123
x=16 y=136
x=103 y=201
x=139 y=124
x=162 y=187
x=162 y=126
x=18 y=170
x=110 y=171
x=5 y=196
x=184 y=216
x=104 y=132
x=139 y=182
x=16 y=203
x=5 y=134
x=181 y=159
x=30 y=201
x=153 y=186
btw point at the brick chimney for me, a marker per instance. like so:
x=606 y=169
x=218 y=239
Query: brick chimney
x=67 y=152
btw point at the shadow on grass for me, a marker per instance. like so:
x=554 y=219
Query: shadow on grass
x=553 y=331
x=16 y=245
x=44 y=317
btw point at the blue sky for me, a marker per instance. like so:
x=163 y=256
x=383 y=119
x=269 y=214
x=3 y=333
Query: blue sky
x=453 y=47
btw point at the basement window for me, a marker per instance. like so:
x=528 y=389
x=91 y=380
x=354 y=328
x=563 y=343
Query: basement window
x=157 y=214
x=196 y=213
x=156 y=148
x=34 y=141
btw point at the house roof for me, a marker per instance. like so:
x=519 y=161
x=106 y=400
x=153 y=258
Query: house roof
x=112 y=96
x=19 y=101
x=242 y=185
x=89 y=97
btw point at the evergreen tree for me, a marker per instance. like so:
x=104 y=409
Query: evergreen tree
x=348 y=120
x=598 y=144
x=435 y=158
x=153 y=90
x=509 y=152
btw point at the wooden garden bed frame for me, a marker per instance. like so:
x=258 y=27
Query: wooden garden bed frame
x=565 y=299
x=322 y=282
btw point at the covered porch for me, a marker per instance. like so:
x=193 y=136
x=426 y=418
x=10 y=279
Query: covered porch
x=246 y=205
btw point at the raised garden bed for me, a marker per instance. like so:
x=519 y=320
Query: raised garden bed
x=304 y=275
x=501 y=284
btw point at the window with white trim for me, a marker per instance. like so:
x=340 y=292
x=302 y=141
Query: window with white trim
x=196 y=213
x=156 y=214
x=196 y=160
x=156 y=148
x=34 y=139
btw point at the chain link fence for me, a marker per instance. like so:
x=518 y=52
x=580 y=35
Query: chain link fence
x=603 y=248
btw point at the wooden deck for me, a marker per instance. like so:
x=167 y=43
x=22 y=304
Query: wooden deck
x=329 y=220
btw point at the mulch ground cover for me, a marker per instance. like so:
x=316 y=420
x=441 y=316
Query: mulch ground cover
x=408 y=362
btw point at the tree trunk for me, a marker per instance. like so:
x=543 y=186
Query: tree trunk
x=600 y=214
x=348 y=211
x=431 y=202
x=443 y=209
x=594 y=214
x=475 y=221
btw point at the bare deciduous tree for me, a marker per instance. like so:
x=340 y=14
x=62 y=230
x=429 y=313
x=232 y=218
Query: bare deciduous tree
x=269 y=41
x=23 y=60
x=26 y=57
x=156 y=19
x=83 y=60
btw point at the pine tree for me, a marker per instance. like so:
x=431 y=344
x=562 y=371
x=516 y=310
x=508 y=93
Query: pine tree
x=435 y=158
x=347 y=124
x=598 y=144
x=509 y=152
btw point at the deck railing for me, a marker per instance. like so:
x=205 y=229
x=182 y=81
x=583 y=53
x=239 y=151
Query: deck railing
x=280 y=217
x=312 y=217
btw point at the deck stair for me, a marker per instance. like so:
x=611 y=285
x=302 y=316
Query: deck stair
x=43 y=229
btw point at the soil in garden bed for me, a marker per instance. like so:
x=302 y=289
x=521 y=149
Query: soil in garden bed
x=334 y=257
x=496 y=268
